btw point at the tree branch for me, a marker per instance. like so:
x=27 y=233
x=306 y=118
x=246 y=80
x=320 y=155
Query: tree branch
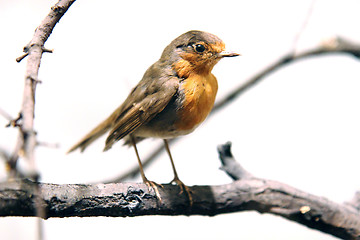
x=335 y=45
x=26 y=141
x=33 y=50
x=229 y=164
x=135 y=199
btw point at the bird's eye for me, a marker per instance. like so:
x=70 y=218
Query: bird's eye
x=199 y=48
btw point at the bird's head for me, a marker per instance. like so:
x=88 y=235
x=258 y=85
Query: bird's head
x=195 y=52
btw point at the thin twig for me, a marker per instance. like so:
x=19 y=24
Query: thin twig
x=26 y=50
x=345 y=47
x=303 y=26
x=19 y=59
x=6 y=115
x=15 y=122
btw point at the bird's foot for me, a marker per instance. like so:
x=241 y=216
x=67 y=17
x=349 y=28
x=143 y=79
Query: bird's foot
x=183 y=188
x=154 y=186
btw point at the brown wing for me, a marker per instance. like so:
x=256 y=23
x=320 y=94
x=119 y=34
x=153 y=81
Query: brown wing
x=148 y=98
x=141 y=112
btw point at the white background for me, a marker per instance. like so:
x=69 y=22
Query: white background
x=299 y=126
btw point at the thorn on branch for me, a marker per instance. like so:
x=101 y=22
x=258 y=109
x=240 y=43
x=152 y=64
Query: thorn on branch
x=35 y=80
x=27 y=49
x=19 y=59
x=15 y=122
x=47 y=50
x=58 y=9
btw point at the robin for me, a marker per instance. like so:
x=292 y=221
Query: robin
x=174 y=96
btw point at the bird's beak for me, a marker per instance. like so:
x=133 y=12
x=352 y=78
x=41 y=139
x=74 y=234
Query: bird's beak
x=228 y=54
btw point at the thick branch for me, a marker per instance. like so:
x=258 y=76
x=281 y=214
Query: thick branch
x=134 y=199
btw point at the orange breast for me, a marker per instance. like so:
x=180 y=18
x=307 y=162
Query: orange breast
x=200 y=92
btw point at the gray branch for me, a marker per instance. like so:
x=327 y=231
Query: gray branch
x=18 y=198
x=27 y=198
x=33 y=51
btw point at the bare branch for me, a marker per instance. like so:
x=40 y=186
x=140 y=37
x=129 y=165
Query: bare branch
x=34 y=50
x=5 y=115
x=27 y=142
x=134 y=199
x=338 y=45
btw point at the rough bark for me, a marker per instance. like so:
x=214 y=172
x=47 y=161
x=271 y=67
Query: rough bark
x=19 y=198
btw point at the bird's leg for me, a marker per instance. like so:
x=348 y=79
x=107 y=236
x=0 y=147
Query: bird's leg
x=176 y=177
x=150 y=184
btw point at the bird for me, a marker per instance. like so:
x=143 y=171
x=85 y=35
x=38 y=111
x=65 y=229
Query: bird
x=174 y=96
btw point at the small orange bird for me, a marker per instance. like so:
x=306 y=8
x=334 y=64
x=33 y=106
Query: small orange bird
x=174 y=96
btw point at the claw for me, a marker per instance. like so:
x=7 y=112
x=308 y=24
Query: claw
x=154 y=186
x=182 y=188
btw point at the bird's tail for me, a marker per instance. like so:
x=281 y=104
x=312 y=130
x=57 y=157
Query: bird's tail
x=97 y=132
